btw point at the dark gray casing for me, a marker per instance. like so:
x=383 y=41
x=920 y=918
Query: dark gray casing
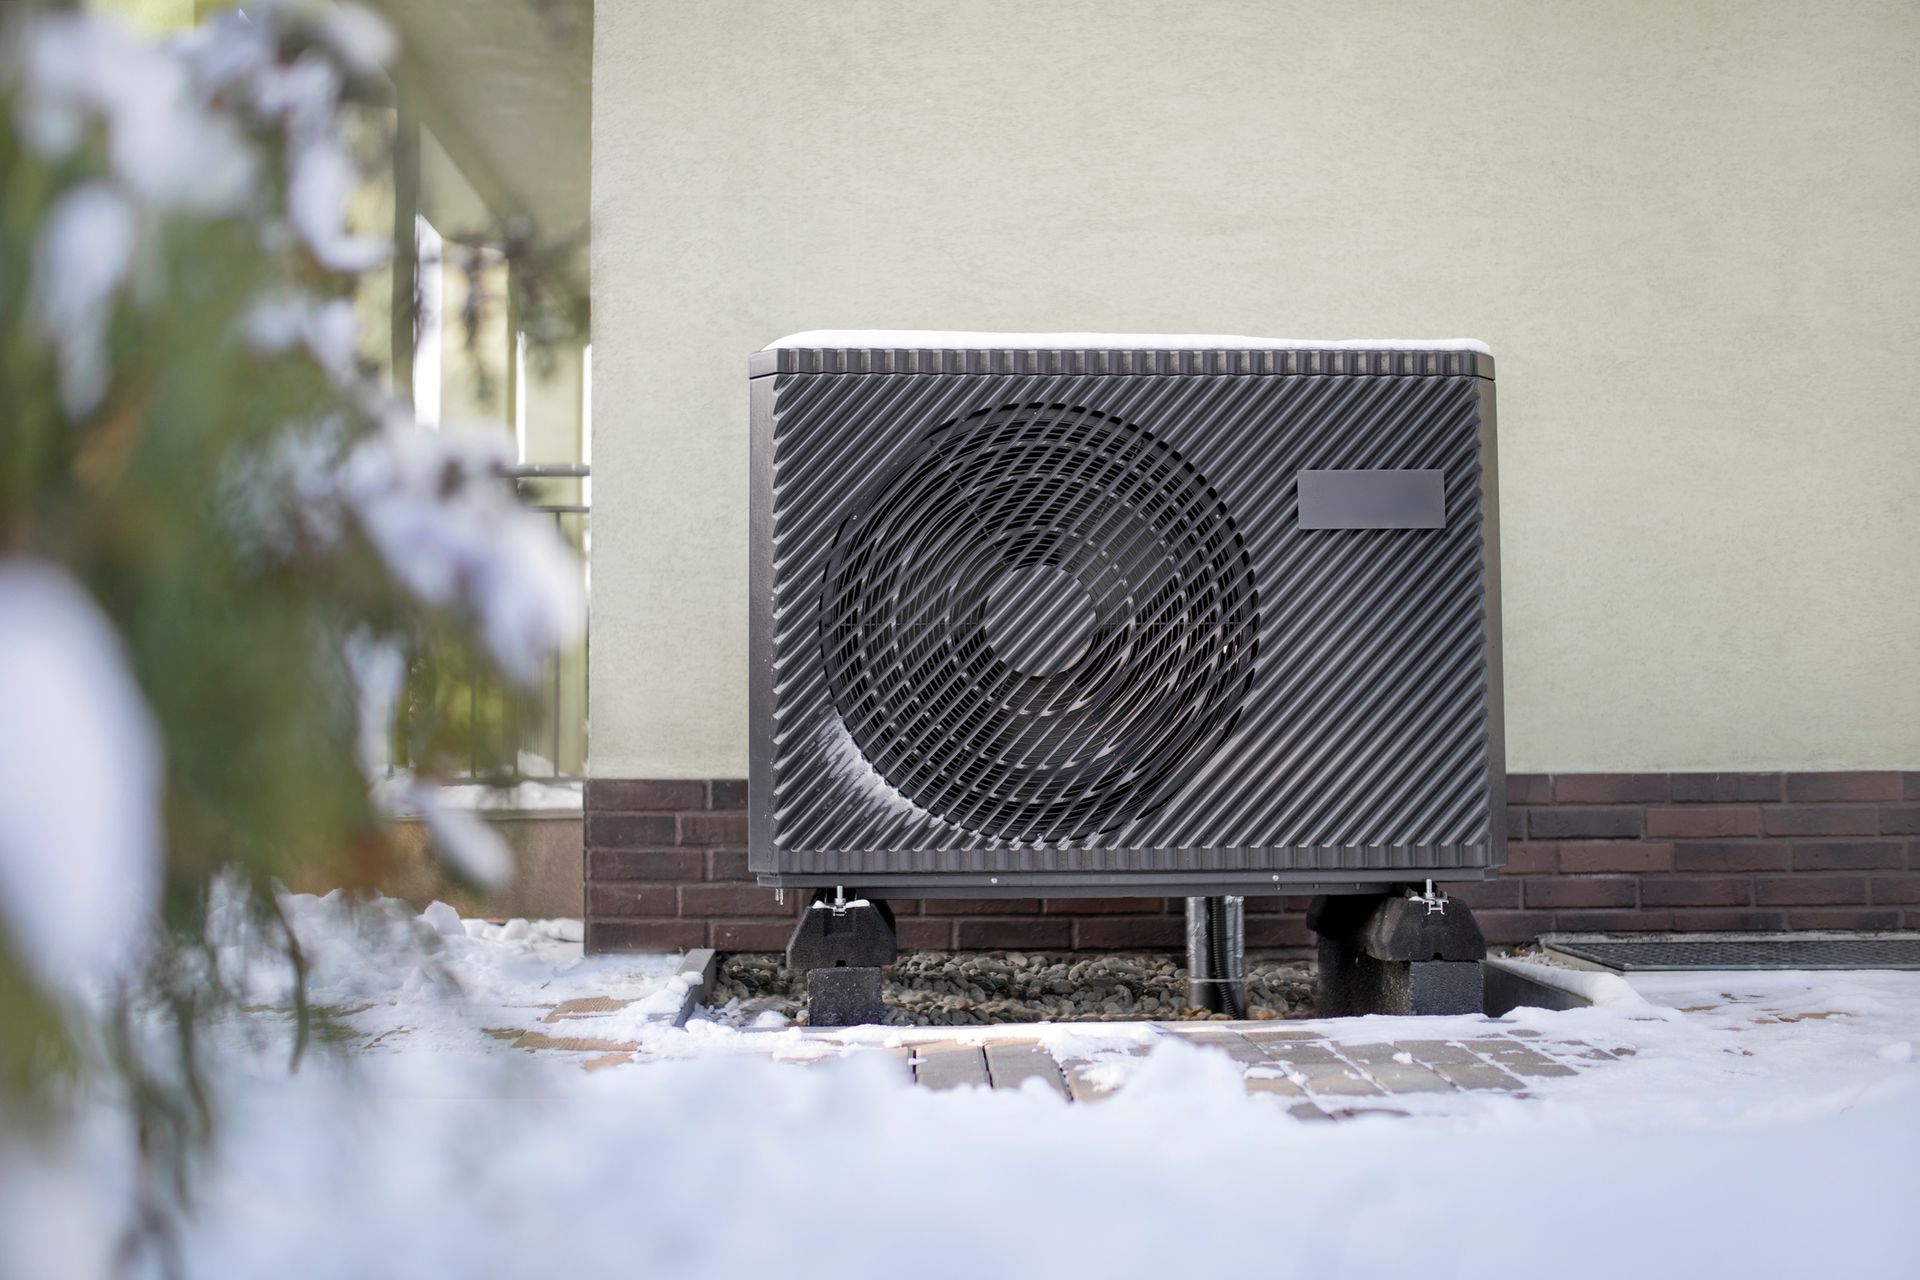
x=1048 y=622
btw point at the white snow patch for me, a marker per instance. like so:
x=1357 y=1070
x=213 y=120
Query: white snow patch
x=1607 y=990
x=843 y=757
x=53 y=1205
x=80 y=260
x=321 y=180
x=80 y=785
x=648 y=1014
x=288 y=492
x=443 y=920
x=446 y=521
x=424 y=1164
x=328 y=328
x=425 y=965
x=301 y=95
x=227 y=47
x=379 y=673
x=1093 y=1039
x=164 y=142
x=526 y=796
x=360 y=36
x=333 y=336
x=273 y=323
x=956 y=340
x=438 y=1149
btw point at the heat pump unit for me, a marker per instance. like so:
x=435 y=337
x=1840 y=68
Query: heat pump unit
x=1108 y=615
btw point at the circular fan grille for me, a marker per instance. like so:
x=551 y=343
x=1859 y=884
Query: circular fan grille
x=1039 y=623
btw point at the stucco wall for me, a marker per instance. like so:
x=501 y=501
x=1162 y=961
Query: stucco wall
x=1686 y=229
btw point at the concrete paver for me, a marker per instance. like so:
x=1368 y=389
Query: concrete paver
x=1523 y=1061
x=950 y=1064
x=1011 y=1064
x=1394 y=1069
x=1271 y=1080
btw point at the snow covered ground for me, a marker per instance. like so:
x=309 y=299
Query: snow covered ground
x=1764 y=1124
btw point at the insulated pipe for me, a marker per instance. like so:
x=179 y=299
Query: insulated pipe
x=1216 y=954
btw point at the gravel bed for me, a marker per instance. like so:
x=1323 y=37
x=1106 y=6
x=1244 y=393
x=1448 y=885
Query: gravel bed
x=972 y=988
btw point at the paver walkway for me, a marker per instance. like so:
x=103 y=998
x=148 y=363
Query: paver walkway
x=1325 y=1077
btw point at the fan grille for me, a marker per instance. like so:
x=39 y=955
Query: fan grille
x=1038 y=624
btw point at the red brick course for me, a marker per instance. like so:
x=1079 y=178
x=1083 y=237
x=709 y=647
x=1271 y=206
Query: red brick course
x=1894 y=890
x=1703 y=820
x=1842 y=918
x=916 y=933
x=1129 y=933
x=1729 y=921
x=1848 y=855
x=666 y=868
x=1610 y=788
x=1900 y=819
x=1831 y=787
x=1782 y=891
x=1489 y=895
x=1583 y=891
x=1725 y=788
x=1013 y=934
x=1732 y=855
x=1696 y=891
x=1599 y=856
x=632 y=898
x=1821 y=820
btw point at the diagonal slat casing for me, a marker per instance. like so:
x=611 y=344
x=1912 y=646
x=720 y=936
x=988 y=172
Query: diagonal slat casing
x=1051 y=619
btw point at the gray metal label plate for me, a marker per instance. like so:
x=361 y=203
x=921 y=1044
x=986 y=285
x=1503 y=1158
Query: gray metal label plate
x=1372 y=500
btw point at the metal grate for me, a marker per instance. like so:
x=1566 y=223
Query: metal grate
x=1746 y=953
x=1038 y=623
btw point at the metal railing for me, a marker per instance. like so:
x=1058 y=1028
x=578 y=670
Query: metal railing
x=556 y=720
x=502 y=745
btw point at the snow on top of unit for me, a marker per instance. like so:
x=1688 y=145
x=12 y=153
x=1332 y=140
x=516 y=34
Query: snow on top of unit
x=956 y=340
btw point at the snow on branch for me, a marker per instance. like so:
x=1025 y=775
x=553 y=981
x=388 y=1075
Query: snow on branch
x=440 y=510
x=80 y=780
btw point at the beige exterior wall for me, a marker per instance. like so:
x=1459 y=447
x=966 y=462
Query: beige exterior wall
x=1688 y=231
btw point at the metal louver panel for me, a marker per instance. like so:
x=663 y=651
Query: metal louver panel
x=1067 y=628
x=1035 y=621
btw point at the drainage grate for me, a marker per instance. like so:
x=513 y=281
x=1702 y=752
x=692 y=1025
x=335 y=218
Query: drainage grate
x=1744 y=953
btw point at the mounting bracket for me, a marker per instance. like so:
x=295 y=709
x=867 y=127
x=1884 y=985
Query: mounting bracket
x=842 y=944
x=1414 y=951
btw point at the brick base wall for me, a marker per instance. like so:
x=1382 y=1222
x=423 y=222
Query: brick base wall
x=666 y=868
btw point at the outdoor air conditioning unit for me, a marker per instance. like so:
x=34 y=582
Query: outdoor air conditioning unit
x=1106 y=615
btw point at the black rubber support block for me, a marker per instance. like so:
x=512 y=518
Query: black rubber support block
x=859 y=935
x=844 y=997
